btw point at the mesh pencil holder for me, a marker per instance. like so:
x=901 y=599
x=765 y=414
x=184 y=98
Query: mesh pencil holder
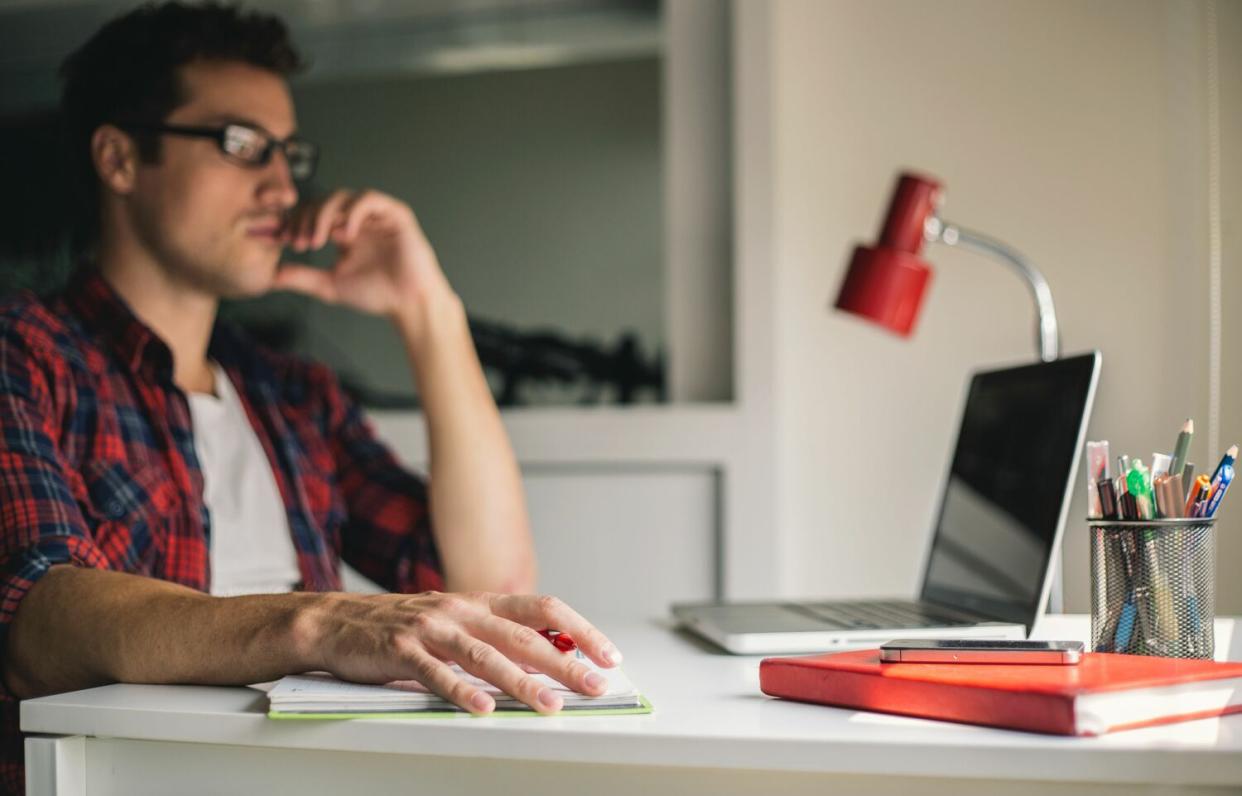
x=1153 y=587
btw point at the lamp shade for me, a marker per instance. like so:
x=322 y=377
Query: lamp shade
x=886 y=283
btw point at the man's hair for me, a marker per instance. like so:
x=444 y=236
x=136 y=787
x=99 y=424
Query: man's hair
x=129 y=72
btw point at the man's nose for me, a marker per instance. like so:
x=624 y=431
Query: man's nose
x=278 y=185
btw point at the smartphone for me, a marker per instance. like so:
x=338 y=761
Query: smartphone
x=980 y=651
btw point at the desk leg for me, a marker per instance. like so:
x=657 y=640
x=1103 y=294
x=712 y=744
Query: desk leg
x=55 y=765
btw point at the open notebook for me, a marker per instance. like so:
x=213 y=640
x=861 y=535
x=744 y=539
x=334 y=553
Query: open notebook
x=322 y=696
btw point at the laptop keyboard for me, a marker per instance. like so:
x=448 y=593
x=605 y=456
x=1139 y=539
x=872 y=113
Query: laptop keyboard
x=868 y=615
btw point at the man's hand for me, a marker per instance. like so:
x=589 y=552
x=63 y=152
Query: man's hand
x=381 y=638
x=385 y=267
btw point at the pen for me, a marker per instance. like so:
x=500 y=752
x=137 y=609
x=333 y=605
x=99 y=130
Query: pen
x=1138 y=594
x=1160 y=465
x=1125 y=626
x=1169 y=496
x=1188 y=480
x=1218 y=491
x=1103 y=553
x=562 y=641
x=1158 y=484
x=1097 y=469
x=1168 y=503
x=1108 y=499
x=1153 y=595
x=1140 y=486
x=1201 y=489
x=1176 y=495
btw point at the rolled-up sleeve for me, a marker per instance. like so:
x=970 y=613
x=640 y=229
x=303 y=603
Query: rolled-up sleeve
x=387 y=535
x=41 y=523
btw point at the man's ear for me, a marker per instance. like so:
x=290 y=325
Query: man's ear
x=115 y=156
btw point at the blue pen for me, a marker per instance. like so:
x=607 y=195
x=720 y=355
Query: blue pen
x=1218 y=492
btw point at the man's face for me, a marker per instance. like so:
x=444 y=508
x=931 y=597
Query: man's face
x=211 y=222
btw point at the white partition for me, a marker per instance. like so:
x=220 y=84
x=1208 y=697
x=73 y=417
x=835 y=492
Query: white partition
x=624 y=543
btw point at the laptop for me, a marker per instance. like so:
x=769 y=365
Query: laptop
x=1002 y=512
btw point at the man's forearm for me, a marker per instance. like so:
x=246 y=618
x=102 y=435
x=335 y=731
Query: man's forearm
x=478 y=507
x=80 y=627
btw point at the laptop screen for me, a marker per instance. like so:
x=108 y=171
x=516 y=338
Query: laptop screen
x=1008 y=487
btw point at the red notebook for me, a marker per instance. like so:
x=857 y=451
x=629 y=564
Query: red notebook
x=1102 y=693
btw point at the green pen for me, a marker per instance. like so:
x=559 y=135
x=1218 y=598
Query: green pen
x=1138 y=482
x=1155 y=596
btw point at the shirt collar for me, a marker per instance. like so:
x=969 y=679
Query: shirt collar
x=234 y=351
x=105 y=313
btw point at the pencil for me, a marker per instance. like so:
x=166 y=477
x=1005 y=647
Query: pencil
x=1183 y=447
x=1231 y=455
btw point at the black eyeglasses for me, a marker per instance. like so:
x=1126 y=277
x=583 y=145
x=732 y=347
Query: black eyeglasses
x=246 y=145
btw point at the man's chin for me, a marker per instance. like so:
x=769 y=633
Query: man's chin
x=257 y=279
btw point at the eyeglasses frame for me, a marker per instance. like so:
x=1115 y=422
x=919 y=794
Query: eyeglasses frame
x=220 y=134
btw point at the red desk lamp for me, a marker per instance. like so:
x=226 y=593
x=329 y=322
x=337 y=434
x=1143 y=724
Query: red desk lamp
x=885 y=283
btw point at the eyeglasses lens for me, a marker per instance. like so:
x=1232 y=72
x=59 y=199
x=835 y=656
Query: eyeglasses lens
x=302 y=156
x=244 y=144
x=253 y=147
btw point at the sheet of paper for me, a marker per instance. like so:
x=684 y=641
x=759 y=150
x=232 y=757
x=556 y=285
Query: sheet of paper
x=319 y=688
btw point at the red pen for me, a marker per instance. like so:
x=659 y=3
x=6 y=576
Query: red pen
x=562 y=641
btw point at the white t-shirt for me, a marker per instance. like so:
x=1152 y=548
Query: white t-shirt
x=251 y=546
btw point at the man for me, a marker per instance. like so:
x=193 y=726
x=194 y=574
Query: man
x=152 y=461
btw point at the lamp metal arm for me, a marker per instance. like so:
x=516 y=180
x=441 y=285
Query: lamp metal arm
x=1047 y=335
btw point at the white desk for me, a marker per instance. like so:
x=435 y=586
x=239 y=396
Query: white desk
x=712 y=732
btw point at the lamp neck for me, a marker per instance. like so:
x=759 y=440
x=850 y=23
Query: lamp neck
x=1047 y=335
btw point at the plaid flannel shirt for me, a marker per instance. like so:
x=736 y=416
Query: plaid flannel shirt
x=97 y=463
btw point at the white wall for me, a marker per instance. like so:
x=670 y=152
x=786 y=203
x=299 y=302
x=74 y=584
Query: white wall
x=623 y=542
x=1076 y=132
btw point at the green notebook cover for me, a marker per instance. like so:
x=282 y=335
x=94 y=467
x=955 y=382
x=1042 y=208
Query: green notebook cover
x=645 y=707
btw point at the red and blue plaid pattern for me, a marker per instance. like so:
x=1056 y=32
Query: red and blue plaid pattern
x=97 y=462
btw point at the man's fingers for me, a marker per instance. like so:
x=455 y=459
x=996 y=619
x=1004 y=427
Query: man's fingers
x=528 y=648
x=446 y=683
x=544 y=611
x=339 y=217
x=289 y=225
x=308 y=224
x=302 y=220
x=327 y=216
x=306 y=279
x=356 y=211
x=485 y=662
